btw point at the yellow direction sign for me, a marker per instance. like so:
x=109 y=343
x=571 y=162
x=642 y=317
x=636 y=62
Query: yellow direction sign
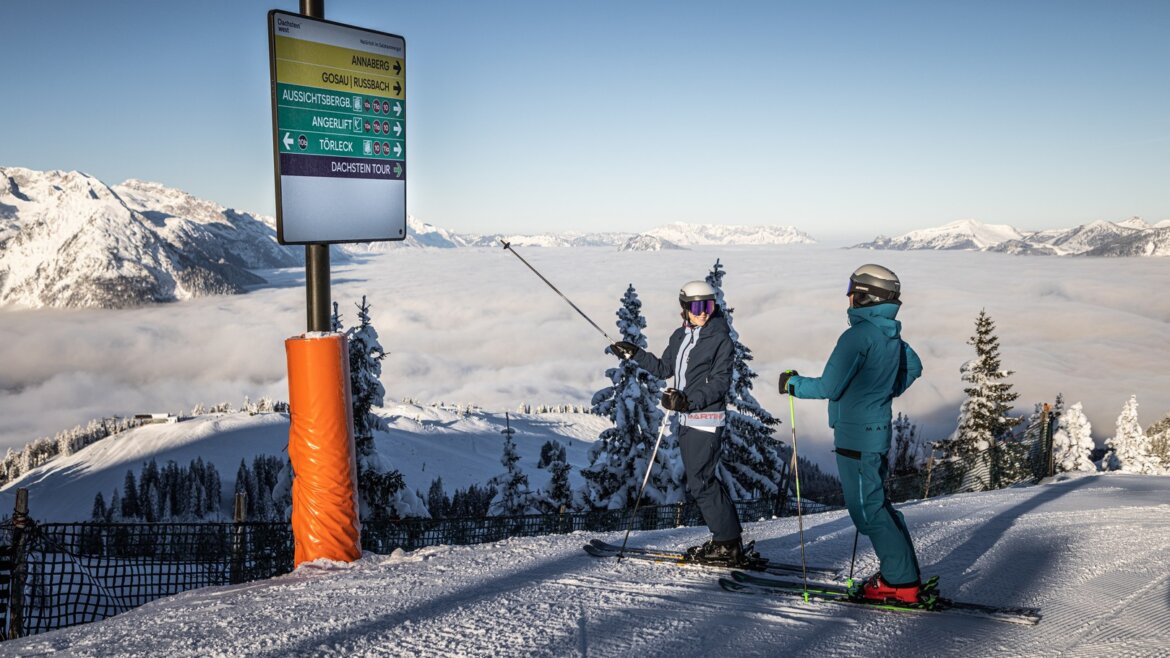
x=339 y=131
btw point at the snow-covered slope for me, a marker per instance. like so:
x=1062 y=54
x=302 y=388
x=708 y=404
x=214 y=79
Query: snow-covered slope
x=418 y=234
x=1087 y=237
x=422 y=442
x=647 y=243
x=1153 y=242
x=1089 y=552
x=708 y=234
x=963 y=234
x=69 y=240
x=677 y=234
x=1131 y=237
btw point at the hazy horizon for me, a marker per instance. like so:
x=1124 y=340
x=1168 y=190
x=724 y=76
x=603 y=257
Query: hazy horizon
x=475 y=326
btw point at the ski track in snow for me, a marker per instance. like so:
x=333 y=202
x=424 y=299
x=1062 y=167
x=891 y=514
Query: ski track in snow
x=1091 y=552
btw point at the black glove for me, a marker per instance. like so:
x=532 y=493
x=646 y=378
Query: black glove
x=675 y=400
x=624 y=350
x=784 y=377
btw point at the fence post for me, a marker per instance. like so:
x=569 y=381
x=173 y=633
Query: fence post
x=1046 y=432
x=20 y=522
x=239 y=515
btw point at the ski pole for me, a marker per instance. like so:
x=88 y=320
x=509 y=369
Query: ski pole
x=853 y=560
x=642 y=489
x=796 y=472
x=508 y=246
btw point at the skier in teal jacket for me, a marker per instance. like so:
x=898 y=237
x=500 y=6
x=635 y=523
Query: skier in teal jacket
x=870 y=366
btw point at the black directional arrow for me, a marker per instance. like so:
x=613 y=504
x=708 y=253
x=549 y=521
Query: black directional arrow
x=398 y=67
x=397 y=88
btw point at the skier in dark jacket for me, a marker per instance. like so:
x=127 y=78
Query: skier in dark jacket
x=870 y=366
x=698 y=359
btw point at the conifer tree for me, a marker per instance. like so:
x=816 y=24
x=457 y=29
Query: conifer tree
x=1072 y=442
x=131 y=508
x=437 y=503
x=99 y=511
x=558 y=495
x=513 y=497
x=365 y=374
x=246 y=485
x=619 y=458
x=1159 y=435
x=381 y=487
x=114 y=510
x=752 y=465
x=983 y=417
x=1129 y=445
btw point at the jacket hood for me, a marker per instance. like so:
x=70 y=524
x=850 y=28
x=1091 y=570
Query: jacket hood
x=881 y=315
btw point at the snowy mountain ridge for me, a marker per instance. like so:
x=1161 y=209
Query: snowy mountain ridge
x=1130 y=237
x=69 y=240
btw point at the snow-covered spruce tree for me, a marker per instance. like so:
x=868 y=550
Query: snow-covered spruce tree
x=1072 y=443
x=1159 y=435
x=752 y=463
x=381 y=487
x=513 y=498
x=983 y=417
x=1129 y=447
x=557 y=496
x=619 y=457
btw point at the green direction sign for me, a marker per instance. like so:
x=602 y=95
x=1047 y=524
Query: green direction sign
x=339 y=131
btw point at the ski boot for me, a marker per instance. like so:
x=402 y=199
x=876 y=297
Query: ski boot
x=730 y=553
x=877 y=589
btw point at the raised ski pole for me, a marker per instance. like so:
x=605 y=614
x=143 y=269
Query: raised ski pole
x=642 y=489
x=508 y=246
x=796 y=473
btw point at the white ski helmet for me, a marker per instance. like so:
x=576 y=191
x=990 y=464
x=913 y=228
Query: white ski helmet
x=873 y=284
x=695 y=291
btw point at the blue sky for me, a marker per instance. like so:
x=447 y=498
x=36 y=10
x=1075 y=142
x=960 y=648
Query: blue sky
x=845 y=119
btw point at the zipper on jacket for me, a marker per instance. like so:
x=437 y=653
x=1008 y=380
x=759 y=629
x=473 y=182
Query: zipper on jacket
x=684 y=358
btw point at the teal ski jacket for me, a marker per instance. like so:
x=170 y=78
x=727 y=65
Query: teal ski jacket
x=870 y=366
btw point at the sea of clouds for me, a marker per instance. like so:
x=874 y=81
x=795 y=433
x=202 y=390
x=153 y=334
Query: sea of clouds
x=476 y=326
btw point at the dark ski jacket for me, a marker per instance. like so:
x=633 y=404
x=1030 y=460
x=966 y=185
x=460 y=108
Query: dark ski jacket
x=870 y=366
x=708 y=373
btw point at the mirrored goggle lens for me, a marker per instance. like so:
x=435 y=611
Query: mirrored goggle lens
x=703 y=306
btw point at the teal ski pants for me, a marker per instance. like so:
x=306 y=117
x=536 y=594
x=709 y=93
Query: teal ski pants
x=862 y=483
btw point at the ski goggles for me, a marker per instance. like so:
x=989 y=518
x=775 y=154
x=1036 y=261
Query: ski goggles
x=856 y=287
x=701 y=307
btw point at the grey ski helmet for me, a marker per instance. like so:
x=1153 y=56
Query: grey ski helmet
x=696 y=291
x=873 y=284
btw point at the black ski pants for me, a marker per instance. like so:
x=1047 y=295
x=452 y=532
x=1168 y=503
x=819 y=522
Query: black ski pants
x=700 y=455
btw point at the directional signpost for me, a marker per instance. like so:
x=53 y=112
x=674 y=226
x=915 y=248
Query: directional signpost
x=339 y=131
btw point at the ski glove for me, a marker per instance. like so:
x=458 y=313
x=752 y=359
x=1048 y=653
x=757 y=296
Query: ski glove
x=675 y=400
x=784 y=377
x=624 y=350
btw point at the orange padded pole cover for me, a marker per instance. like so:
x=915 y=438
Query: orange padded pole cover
x=325 y=520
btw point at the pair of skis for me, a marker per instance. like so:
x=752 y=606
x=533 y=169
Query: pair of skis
x=598 y=548
x=784 y=586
